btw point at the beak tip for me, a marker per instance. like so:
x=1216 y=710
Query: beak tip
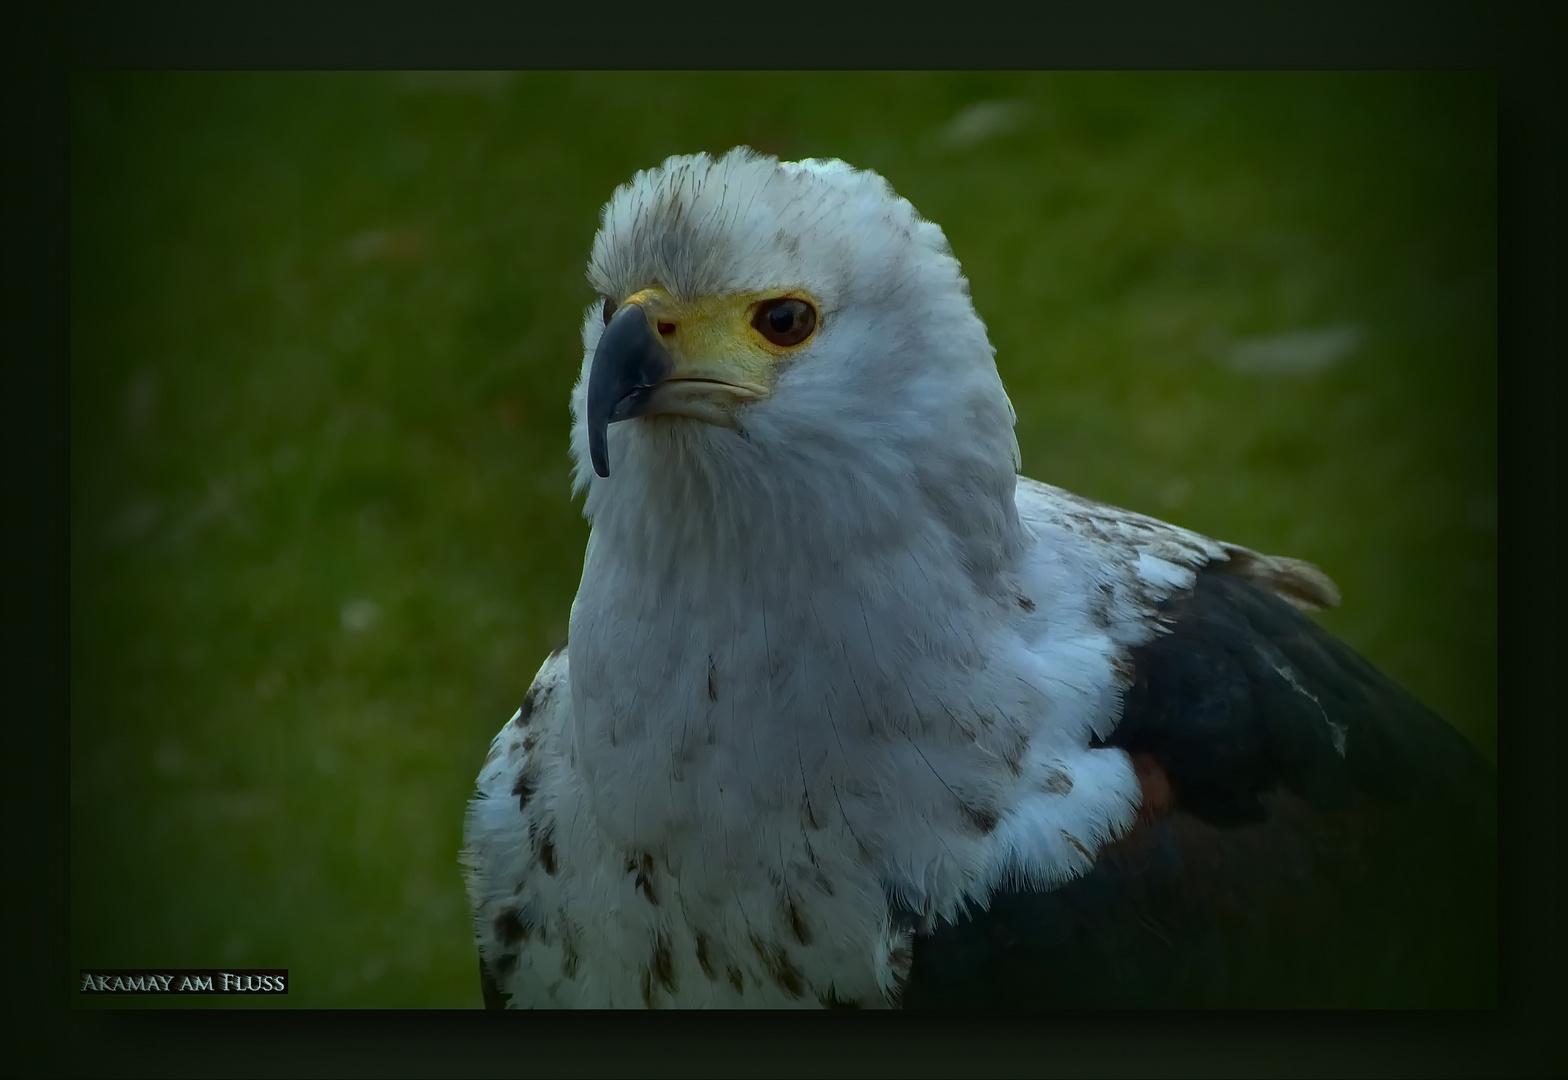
x=598 y=453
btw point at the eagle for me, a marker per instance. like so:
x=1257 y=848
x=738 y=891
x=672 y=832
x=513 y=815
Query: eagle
x=852 y=714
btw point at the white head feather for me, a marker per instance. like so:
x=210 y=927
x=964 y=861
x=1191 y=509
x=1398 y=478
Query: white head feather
x=894 y=407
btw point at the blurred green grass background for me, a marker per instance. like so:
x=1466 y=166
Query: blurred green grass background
x=324 y=326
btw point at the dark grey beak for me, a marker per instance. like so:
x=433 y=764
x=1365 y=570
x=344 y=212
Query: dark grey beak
x=629 y=362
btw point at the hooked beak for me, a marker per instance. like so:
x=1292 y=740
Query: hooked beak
x=628 y=364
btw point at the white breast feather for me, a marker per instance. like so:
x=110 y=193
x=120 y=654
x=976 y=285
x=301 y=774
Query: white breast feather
x=781 y=913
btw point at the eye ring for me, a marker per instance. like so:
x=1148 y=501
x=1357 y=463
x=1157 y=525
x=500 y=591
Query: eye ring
x=785 y=322
x=610 y=307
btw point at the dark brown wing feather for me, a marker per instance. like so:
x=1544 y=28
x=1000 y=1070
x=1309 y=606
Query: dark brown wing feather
x=1311 y=836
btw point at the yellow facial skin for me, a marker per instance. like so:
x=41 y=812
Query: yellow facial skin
x=720 y=359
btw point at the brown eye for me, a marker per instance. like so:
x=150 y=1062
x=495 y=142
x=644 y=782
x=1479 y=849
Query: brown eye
x=785 y=322
x=609 y=309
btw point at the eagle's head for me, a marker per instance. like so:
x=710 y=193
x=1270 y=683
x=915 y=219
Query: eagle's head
x=780 y=339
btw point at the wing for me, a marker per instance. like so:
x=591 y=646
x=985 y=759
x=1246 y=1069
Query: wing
x=500 y=847
x=1309 y=835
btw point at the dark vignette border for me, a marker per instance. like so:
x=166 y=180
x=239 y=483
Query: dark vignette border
x=47 y=44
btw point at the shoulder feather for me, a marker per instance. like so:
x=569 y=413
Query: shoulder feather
x=1310 y=834
x=1128 y=534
